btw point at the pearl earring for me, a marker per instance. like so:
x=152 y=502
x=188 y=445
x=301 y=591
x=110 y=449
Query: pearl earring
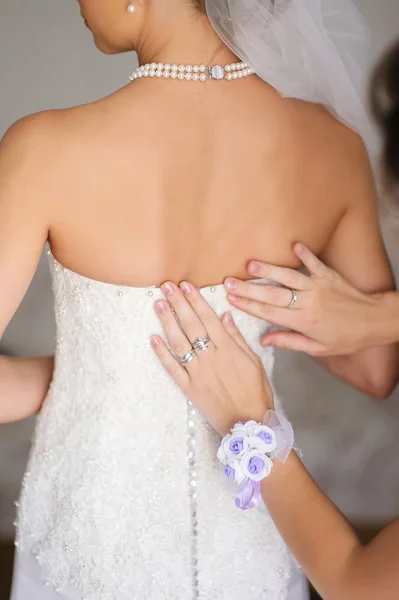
x=131 y=8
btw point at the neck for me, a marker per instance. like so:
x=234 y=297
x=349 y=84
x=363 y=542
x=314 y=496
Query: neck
x=188 y=40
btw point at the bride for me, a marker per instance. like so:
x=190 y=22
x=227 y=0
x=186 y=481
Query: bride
x=188 y=172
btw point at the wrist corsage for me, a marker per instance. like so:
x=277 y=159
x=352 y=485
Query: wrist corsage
x=247 y=454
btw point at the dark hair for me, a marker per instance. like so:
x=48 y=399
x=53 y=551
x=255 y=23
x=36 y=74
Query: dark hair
x=200 y=4
x=385 y=106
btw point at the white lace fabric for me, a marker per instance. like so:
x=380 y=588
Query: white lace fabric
x=105 y=504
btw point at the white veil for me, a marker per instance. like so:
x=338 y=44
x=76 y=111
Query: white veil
x=313 y=50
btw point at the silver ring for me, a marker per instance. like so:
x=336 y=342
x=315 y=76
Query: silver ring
x=187 y=358
x=202 y=343
x=293 y=299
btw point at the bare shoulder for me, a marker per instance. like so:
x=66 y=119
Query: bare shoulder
x=335 y=155
x=31 y=147
x=33 y=153
x=54 y=135
x=31 y=133
x=41 y=133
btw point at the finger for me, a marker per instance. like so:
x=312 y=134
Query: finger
x=288 y=277
x=188 y=318
x=268 y=294
x=205 y=313
x=311 y=262
x=290 y=340
x=235 y=333
x=176 y=338
x=175 y=369
x=266 y=312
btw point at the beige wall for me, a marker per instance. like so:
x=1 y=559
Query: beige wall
x=47 y=60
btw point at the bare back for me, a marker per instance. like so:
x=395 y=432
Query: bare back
x=169 y=182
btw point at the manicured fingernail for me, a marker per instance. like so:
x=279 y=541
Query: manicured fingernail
x=254 y=268
x=168 y=289
x=233 y=298
x=155 y=342
x=161 y=307
x=231 y=284
x=186 y=288
x=299 y=248
x=229 y=319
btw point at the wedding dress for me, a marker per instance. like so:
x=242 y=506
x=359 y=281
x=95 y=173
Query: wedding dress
x=123 y=497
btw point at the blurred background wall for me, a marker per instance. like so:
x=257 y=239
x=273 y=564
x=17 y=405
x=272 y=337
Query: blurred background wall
x=351 y=444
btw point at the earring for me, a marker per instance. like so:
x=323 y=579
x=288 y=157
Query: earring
x=131 y=8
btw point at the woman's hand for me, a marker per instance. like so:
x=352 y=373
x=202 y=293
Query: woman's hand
x=226 y=382
x=329 y=318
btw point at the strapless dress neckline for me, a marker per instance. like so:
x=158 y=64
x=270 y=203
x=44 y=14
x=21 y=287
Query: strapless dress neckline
x=203 y=289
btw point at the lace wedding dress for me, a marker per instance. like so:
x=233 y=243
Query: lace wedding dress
x=123 y=498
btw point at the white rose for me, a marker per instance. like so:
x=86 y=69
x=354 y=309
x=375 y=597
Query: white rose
x=234 y=446
x=222 y=457
x=233 y=470
x=245 y=429
x=256 y=443
x=256 y=466
x=266 y=436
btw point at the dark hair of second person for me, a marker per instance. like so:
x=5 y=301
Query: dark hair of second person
x=385 y=106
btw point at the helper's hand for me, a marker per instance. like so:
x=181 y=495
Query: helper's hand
x=225 y=380
x=329 y=318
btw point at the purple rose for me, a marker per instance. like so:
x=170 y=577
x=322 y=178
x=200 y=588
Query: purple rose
x=266 y=437
x=230 y=472
x=256 y=465
x=232 y=447
x=237 y=445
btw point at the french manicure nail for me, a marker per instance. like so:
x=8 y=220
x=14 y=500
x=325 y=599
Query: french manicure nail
x=233 y=298
x=161 y=307
x=230 y=283
x=186 y=289
x=168 y=289
x=254 y=268
x=228 y=319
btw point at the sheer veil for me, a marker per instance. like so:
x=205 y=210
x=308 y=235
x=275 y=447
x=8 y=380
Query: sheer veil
x=312 y=50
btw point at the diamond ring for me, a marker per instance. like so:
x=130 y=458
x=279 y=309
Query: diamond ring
x=293 y=299
x=187 y=358
x=202 y=343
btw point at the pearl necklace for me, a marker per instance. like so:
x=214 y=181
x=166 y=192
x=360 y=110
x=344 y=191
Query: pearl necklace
x=192 y=73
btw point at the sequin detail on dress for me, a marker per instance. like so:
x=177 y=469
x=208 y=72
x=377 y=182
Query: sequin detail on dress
x=123 y=497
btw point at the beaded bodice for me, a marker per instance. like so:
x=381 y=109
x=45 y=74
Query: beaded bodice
x=123 y=497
